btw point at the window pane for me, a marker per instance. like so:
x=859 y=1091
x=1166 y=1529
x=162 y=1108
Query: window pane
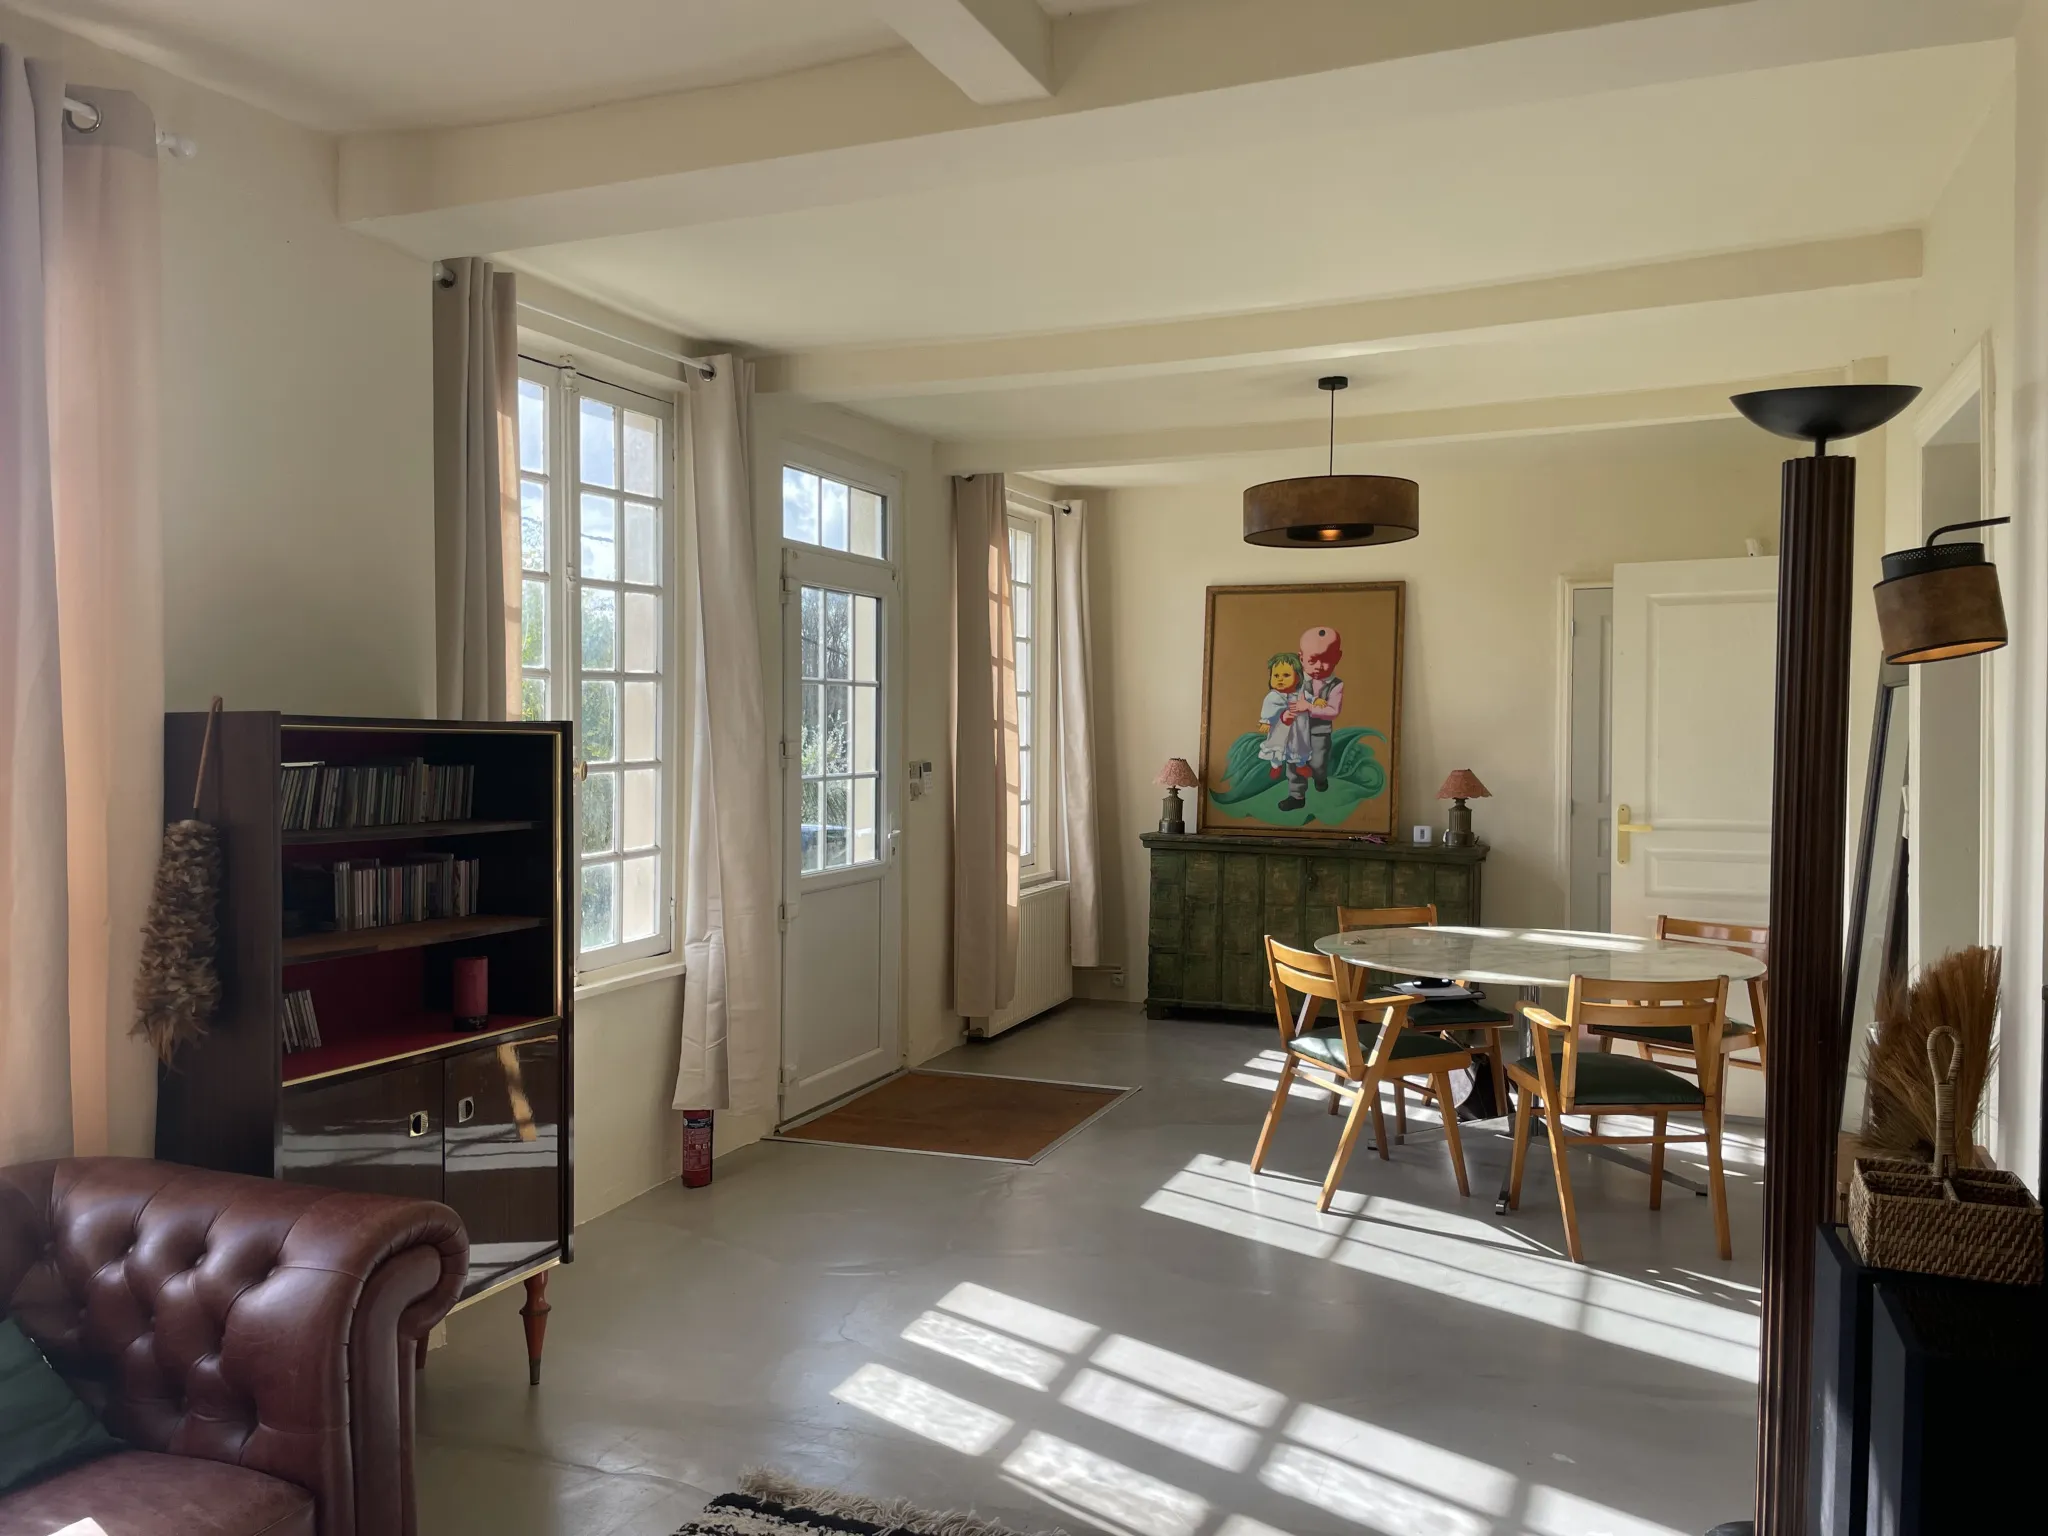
x=1023 y=655
x=600 y=538
x=643 y=447
x=799 y=506
x=864 y=828
x=600 y=905
x=1021 y=614
x=867 y=634
x=600 y=629
x=1024 y=773
x=832 y=515
x=838 y=849
x=643 y=718
x=533 y=525
x=643 y=545
x=533 y=698
x=865 y=535
x=813 y=745
x=813 y=840
x=600 y=804
x=838 y=728
x=533 y=624
x=643 y=632
x=640 y=826
x=643 y=898
x=1026 y=844
x=600 y=727
x=838 y=634
x=1020 y=555
x=599 y=464
x=813 y=630
x=866 y=728
x=1024 y=726
x=533 y=426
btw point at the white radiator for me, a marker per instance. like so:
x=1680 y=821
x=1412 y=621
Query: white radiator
x=1045 y=960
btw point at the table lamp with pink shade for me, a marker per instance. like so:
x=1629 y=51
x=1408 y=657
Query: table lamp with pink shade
x=1176 y=776
x=1462 y=785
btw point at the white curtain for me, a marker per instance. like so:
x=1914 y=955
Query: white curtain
x=985 y=806
x=476 y=492
x=1077 y=728
x=81 y=791
x=35 y=1048
x=732 y=1013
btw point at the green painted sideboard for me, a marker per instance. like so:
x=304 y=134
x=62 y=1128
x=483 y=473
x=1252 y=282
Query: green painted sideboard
x=1214 y=900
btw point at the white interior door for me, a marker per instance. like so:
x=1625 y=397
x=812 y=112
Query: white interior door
x=1695 y=657
x=1592 y=758
x=842 y=908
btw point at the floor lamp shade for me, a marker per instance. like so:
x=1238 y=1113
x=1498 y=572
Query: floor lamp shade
x=1939 y=601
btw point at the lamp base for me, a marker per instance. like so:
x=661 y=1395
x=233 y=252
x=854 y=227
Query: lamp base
x=1170 y=820
x=1458 y=826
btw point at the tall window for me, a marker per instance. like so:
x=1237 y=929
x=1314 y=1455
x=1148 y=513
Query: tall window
x=597 y=537
x=1031 y=620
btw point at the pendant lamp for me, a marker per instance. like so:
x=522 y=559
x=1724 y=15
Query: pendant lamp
x=1940 y=600
x=1331 y=511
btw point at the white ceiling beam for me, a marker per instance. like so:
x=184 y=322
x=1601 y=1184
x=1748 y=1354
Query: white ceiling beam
x=1511 y=418
x=1337 y=330
x=1136 y=82
x=996 y=51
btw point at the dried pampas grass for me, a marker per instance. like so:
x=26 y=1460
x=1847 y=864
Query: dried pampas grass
x=177 y=989
x=1958 y=992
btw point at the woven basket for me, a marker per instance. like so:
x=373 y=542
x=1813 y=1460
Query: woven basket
x=1971 y=1225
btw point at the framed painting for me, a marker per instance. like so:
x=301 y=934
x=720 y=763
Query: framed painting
x=1301 y=709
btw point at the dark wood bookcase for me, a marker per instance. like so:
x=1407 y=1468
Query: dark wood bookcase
x=395 y=1099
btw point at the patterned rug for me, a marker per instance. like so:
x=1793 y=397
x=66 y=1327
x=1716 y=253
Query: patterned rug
x=771 y=1505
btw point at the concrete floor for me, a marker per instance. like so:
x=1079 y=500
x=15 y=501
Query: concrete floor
x=1131 y=1336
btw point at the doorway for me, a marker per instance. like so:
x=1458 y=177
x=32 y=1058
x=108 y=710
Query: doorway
x=1589 y=799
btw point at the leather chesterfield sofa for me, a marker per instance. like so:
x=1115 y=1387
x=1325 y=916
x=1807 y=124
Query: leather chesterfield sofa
x=252 y=1343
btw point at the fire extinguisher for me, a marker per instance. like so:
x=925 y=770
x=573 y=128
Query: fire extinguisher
x=696 y=1148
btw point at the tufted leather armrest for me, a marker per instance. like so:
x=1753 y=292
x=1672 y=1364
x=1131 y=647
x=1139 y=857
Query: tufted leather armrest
x=244 y=1320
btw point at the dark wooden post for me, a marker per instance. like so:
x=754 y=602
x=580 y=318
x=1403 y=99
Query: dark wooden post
x=1809 y=801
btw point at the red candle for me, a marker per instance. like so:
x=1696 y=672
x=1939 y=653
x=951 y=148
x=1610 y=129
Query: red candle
x=472 y=992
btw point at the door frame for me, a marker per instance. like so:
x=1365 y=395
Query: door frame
x=884 y=579
x=1561 y=765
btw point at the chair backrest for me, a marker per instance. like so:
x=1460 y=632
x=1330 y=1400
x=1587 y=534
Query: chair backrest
x=1322 y=978
x=1596 y=1002
x=1747 y=938
x=1350 y=918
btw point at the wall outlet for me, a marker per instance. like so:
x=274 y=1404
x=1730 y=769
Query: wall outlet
x=1117 y=978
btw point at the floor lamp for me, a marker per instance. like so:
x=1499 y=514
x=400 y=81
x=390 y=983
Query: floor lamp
x=1809 y=808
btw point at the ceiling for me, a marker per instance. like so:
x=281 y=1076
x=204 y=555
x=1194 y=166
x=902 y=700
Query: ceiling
x=352 y=65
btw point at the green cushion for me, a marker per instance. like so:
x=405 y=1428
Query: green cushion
x=1458 y=1013
x=1620 y=1080
x=1326 y=1047
x=1670 y=1034
x=43 y=1425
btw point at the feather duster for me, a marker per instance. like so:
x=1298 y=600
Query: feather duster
x=1958 y=992
x=177 y=990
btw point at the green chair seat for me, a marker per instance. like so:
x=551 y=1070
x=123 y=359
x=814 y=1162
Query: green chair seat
x=1671 y=1034
x=1456 y=1013
x=1620 y=1080
x=1325 y=1047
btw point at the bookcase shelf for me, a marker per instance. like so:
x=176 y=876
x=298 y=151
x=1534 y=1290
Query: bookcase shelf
x=394 y=1099
x=306 y=948
x=415 y=831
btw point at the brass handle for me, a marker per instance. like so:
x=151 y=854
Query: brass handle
x=465 y=1111
x=1622 y=828
x=417 y=1124
x=581 y=772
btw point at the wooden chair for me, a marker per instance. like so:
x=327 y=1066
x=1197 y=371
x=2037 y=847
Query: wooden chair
x=1567 y=1080
x=1371 y=1044
x=1671 y=1046
x=1435 y=1013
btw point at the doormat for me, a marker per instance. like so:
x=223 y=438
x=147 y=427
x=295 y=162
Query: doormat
x=771 y=1505
x=960 y=1114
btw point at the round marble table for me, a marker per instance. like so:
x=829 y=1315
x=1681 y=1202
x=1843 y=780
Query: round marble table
x=1535 y=958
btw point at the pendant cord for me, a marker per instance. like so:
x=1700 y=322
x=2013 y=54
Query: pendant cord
x=1333 y=435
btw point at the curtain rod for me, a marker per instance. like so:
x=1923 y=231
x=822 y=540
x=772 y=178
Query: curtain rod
x=444 y=277
x=84 y=117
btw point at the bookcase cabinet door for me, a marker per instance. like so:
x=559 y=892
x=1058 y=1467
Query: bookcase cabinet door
x=503 y=1111
x=378 y=1134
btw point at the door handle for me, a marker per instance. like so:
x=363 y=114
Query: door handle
x=417 y=1124
x=465 y=1111
x=1622 y=828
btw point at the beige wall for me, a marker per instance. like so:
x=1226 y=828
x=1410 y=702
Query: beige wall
x=1503 y=522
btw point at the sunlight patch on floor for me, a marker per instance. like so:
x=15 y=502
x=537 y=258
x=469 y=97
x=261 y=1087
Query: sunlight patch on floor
x=923 y=1409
